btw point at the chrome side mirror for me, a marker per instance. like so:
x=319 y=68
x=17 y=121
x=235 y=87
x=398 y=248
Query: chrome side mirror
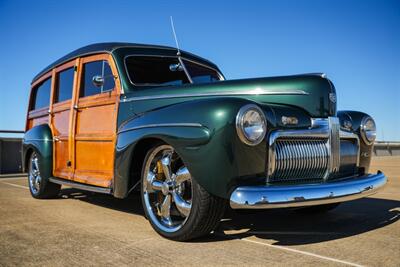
x=98 y=81
x=176 y=67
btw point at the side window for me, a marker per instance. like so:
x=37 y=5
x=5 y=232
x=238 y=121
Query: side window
x=92 y=69
x=64 y=84
x=41 y=95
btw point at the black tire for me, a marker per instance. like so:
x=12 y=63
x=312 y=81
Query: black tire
x=44 y=189
x=318 y=209
x=205 y=214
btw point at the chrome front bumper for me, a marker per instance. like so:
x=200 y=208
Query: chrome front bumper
x=267 y=197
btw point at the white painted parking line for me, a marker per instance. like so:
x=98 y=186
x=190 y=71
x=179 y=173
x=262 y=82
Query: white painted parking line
x=16 y=185
x=300 y=252
x=12 y=178
x=291 y=233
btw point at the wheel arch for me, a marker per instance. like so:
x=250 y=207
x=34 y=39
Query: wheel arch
x=40 y=140
x=137 y=158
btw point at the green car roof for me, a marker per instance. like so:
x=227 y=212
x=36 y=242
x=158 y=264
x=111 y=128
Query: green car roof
x=111 y=47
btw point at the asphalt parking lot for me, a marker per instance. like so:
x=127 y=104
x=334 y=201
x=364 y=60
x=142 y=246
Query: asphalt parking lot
x=89 y=229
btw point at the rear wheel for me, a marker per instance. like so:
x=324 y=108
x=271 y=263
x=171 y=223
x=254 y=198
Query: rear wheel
x=175 y=204
x=39 y=184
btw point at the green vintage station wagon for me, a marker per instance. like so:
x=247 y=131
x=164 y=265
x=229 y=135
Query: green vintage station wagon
x=118 y=117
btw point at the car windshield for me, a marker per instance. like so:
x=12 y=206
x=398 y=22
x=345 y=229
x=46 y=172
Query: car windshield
x=200 y=73
x=164 y=71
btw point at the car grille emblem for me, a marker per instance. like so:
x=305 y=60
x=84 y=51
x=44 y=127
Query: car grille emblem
x=289 y=120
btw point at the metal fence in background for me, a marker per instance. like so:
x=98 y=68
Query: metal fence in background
x=382 y=148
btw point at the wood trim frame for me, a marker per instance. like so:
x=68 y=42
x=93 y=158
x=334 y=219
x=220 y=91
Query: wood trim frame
x=63 y=106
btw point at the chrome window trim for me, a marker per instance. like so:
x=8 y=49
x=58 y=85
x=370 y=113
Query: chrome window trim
x=206 y=94
x=183 y=124
x=165 y=56
x=40 y=140
x=320 y=128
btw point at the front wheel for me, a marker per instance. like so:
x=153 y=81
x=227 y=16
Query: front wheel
x=177 y=207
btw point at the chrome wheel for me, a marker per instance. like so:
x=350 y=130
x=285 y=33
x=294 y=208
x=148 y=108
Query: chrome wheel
x=167 y=189
x=35 y=179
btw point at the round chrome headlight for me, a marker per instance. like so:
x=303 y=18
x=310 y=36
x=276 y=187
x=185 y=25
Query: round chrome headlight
x=368 y=130
x=251 y=125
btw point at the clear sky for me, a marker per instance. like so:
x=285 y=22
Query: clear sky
x=357 y=43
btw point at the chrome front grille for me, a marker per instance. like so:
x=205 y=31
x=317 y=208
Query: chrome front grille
x=300 y=159
x=311 y=155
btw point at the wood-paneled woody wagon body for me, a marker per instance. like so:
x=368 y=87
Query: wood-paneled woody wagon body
x=115 y=117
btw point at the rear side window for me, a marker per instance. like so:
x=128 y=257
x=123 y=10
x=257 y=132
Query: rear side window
x=41 y=95
x=92 y=69
x=65 y=82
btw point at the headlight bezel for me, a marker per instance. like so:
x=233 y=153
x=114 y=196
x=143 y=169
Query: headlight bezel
x=364 y=130
x=240 y=124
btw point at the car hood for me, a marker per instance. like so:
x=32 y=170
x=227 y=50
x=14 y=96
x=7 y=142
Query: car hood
x=312 y=93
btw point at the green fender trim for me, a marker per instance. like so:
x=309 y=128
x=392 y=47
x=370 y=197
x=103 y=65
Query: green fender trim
x=40 y=139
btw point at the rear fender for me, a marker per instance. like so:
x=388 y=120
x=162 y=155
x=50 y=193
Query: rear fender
x=40 y=139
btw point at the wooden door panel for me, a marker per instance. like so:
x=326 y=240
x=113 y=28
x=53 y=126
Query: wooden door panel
x=95 y=131
x=60 y=122
x=93 y=162
x=99 y=120
x=94 y=143
x=61 y=158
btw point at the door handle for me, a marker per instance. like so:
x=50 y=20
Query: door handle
x=56 y=139
x=76 y=107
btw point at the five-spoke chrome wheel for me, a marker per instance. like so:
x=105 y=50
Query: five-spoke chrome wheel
x=35 y=180
x=167 y=189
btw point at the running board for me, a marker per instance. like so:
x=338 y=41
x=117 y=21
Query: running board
x=86 y=187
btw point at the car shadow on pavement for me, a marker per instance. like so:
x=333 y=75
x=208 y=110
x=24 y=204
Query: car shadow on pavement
x=288 y=227
x=131 y=204
x=284 y=226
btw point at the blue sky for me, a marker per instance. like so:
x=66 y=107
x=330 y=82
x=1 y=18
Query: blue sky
x=357 y=43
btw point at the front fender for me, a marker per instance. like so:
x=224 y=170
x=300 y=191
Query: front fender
x=203 y=133
x=355 y=117
x=40 y=139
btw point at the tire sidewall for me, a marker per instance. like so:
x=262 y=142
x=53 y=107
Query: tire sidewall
x=44 y=174
x=191 y=220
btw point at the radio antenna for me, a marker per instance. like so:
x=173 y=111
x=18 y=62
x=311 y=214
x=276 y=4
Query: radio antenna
x=176 y=39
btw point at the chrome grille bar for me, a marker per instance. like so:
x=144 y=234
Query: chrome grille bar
x=334 y=143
